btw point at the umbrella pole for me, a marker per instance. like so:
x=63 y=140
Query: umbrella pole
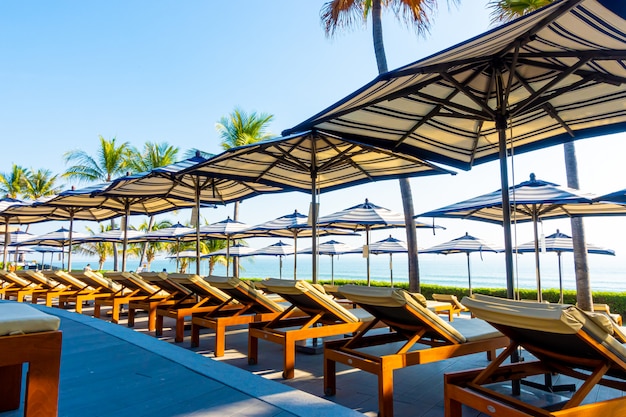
x=227 y=255
x=332 y=270
x=367 y=244
x=295 y=254
x=313 y=224
x=469 y=276
x=391 y=268
x=558 y=254
x=280 y=263
x=537 y=271
x=125 y=238
x=7 y=236
x=69 y=252
x=197 y=221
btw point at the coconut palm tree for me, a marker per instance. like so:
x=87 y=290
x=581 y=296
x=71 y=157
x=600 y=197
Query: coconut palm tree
x=505 y=10
x=241 y=128
x=101 y=249
x=153 y=155
x=109 y=162
x=149 y=250
x=340 y=14
x=12 y=183
x=40 y=183
x=213 y=245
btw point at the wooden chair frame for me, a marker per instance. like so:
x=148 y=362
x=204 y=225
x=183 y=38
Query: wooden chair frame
x=416 y=329
x=251 y=308
x=42 y=352
x=583 y=358
x=314 y=320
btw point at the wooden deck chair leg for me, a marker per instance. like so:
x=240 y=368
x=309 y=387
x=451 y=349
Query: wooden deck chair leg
x=220 y=339
x=253 y=349
x=115 y=312
x=289 y=360
x=159 y=325
x=131 y=318
x=385 y=390
x=151 y=317
x=180 y=329
x=195 y=335
x=330 y=377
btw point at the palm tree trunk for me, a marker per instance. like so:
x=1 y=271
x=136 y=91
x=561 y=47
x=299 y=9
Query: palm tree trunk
x=405 y=185
x=583 y=287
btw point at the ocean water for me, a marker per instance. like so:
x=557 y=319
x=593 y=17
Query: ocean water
x=606 y=272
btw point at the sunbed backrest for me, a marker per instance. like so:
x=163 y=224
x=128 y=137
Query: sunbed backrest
x=199 y=286
x=244 y=293
x=551 y=327
x=309 y=299
x=11 y=277
x=129 y=280
x=67 y=279
x=161 y=280
x=400 y=310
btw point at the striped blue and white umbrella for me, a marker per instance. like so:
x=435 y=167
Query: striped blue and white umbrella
x=530 y=201
x=389 y=245
x=294 y=225
x=331 y=248
x=558 y=243
x=464 y=244
x=279 y=249
x=550 y=77
x=59 y=238
x=366 y=216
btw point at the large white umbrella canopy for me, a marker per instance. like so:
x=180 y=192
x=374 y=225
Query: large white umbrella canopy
x=558 y=243
x=529 y=201
x=331 y=248
x=279 y=249
x=465 y=244
x=550 y=77
x=314 y=162
x=366 y=216
x=293 y=225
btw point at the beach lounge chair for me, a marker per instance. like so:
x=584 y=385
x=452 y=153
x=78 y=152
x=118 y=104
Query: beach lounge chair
x=417 y=336
x=28 y=335
x=87 y=286
x=176 y=293
x=604 y=308
x=455 y=305
x=564 y=340
x=16 y=286
x=131 y=287
x=207 y=298
x=47 y=288
x=320 y=316
x=253 y=306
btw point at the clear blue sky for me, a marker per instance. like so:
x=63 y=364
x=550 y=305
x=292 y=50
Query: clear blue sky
x=167 y=71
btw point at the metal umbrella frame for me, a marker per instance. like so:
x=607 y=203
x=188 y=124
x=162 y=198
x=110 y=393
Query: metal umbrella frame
x=550 y=77
x=464 y=244
x=331 y=248
x=529 y=201
x=367 y=217
x=313 y=162
x=558 y=243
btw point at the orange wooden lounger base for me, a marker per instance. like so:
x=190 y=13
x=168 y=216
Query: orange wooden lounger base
x=42 y=352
